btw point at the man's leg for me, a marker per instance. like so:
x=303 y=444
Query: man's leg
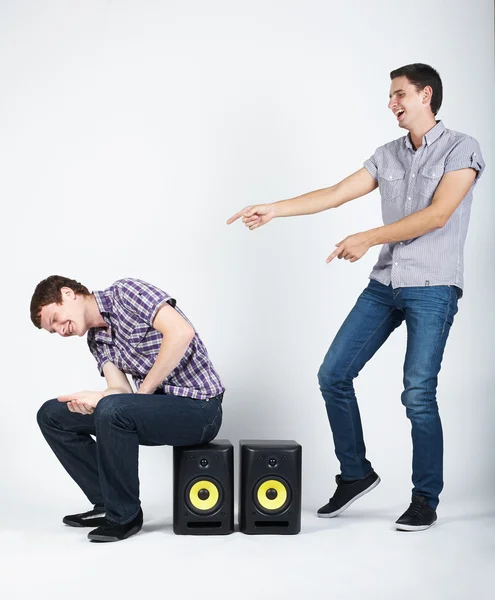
x=367 y=327
x=69 y=436
x=123 y=421
x=429 y=314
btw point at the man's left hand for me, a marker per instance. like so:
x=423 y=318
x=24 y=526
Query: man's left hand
x=353 y=247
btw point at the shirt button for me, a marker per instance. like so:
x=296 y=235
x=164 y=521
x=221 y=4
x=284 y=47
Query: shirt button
x=402 y=243
x=396 y=264
x=409 y=198
x=413 y=175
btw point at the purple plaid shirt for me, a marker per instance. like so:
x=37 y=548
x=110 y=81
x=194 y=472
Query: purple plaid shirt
x=131 y=344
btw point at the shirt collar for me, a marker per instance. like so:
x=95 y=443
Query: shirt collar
x=105 y=307
x=430 y=136
x=104 y=303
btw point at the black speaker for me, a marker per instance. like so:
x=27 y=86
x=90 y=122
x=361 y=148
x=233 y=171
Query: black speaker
x=204 y=489
x=270 y=486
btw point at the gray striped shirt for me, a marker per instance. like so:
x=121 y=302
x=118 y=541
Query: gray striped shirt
x=407 y=181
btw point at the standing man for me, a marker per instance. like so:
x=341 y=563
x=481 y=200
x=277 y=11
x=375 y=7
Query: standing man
x=426 y=182
x=133 y=328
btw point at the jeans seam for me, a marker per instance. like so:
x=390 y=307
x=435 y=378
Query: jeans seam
x=447 y=311
x=205 y=428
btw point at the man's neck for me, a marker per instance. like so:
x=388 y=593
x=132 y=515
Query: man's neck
x=94 y=318
x=420 y=129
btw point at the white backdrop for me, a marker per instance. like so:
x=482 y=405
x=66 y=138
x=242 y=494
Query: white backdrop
x=131 y=130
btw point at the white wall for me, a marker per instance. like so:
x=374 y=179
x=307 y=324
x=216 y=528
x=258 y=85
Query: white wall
x=131 y=130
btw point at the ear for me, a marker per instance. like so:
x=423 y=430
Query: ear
x=67 y=293
x=427 y=93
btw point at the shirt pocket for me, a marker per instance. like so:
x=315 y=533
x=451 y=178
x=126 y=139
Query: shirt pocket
x=145 y=340
x=391 y=183
x=430 y=178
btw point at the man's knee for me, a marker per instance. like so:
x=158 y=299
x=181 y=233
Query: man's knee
x=331 y=375
x=49 y=411
x=109 y=407
x=419 y=401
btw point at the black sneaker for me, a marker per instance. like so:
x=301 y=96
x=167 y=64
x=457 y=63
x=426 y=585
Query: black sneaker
x=91 y=518
x=418 y=516
x=346 y=493
x=113 y=532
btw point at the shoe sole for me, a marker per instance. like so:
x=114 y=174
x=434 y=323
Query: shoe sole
x=336 y=513
x=108 y=538
x=413 y=527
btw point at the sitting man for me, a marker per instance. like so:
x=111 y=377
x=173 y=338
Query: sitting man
x=137 y=329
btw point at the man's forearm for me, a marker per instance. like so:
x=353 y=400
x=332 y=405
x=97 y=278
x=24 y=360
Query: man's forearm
x=410 y=227
x=308 y=204
x=169 y=356
x=115 y=390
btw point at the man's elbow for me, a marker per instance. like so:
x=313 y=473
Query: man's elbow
x=189 y=334
x=439 y=219
x=182 y=336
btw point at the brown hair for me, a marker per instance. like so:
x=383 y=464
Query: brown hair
x=420 y=76
x=48 y=291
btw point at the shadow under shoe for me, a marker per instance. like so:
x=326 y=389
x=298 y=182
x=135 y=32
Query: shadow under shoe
x=90 y=518
x=113 y=532
x=346 y=493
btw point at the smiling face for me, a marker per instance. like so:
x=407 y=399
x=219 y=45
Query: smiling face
x=409 y=104
x=67 y=318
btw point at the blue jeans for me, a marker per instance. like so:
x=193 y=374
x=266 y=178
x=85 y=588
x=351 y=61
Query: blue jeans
x=107 y=470
x=429 y=313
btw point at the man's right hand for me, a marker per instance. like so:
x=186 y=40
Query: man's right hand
x=255 y=216
x=82 y=402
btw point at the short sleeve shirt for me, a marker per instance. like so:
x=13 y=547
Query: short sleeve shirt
x=407 y=181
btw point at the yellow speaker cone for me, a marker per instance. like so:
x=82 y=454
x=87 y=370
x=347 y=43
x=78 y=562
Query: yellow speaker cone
x=203 y=495
x=272 y=494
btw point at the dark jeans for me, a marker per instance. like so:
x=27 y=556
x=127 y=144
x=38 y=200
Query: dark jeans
x=107 y=470
x=429 y=313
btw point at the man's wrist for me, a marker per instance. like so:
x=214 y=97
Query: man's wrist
x=143 y=390
x=276 y=209
x=374 y=236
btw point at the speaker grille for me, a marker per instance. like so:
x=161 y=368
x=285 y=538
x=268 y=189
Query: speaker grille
x=272 y=495
x=203 y=495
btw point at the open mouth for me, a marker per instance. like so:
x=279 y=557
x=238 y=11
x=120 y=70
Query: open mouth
x=70 y=329
x=399 y=114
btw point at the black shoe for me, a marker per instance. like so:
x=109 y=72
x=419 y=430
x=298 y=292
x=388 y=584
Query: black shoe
x=113 y=532
x=346 y=493
x=418 y=516
x=92 y=518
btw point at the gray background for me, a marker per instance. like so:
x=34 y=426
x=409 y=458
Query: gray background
x=130 y=131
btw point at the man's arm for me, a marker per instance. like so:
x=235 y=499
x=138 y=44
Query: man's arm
x=356 y=185
x=85 y=402
x=117 y=382
x=450 y=192
x=177 y=335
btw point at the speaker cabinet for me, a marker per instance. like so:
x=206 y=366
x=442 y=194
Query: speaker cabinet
x=204 y=489
x=270 y=486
